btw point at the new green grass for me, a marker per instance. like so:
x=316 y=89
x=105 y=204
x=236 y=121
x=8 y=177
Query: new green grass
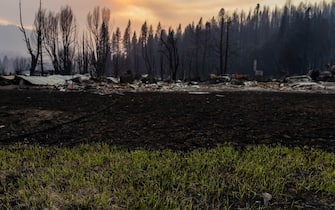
x=103 y=177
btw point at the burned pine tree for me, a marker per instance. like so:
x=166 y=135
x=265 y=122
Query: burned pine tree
x=83 y=55
x=221 y=45
x=116 y=52
x=227 y=47
x=126 y=41
x=147 y=46
x=171 y=53
x=135 y=54
x=160 y=33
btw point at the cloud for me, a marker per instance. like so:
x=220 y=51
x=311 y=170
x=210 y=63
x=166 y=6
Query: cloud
x=173 y=12
x=4 y=21
x=169 y=13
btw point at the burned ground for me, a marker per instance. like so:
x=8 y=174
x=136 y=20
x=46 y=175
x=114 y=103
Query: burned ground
x=176 y=121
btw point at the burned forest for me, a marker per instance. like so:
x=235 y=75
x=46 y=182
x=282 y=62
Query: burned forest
x=292 y=40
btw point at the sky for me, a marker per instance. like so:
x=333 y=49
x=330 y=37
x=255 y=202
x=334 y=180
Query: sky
x=169 y=13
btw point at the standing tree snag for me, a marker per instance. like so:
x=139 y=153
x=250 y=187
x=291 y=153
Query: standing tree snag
x=68 y=33
x=221 y=17
x=127 y=45
x=135 y=48
x=83 y=56
x=116 y=40
x=100 y=42
x=227 y=47
x=51 y=41
x=171 y=53
x=37 y=37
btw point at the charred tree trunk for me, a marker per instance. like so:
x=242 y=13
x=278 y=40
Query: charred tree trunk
x=34 y=55
x=221 y=46
x=227 y=49
x=172 y=54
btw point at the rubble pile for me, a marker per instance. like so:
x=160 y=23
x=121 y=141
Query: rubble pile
x=111 y=85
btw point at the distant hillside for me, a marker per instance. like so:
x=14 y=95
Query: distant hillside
x=11 y=41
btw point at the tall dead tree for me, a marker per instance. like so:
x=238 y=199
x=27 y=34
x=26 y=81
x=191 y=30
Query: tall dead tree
x=171 y=53
x=36 y=39
x=51 y=39
x=221 y=17
x=68 y=33
x=116 y=40
x=83 y=58
x=198 y=47
x=59 y=38
x=100 y=39
x=160 y=34
x=127 y=45
x=38 y=23
x=145 y=47
x=135 y=48
x=227 y=47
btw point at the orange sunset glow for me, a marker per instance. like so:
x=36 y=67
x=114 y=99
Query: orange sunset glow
x=169 y=13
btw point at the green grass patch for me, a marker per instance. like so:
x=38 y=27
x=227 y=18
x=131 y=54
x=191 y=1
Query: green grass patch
x=103 y=177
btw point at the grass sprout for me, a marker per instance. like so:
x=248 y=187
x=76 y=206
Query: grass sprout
x=99 y=176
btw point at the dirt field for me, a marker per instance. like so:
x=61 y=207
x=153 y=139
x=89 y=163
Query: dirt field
x=177 y=121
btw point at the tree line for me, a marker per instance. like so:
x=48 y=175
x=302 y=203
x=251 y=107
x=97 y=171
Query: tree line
x=284 y=41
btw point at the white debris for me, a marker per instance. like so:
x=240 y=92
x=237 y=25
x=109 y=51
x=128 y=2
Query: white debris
x=199 y=93
x=10 y=77
x=267 y=197
x=81 y=77
x=196 y=86
x=113 y=79
x=220 y=78
x=43 y=81
x=330 y=88
x=309 y=85
x=250 y=83
x=301 y=78
x=194 y=83
x=328 y=85
x=53 y=80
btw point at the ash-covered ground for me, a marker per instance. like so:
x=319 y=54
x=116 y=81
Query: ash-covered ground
x=176 y=121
